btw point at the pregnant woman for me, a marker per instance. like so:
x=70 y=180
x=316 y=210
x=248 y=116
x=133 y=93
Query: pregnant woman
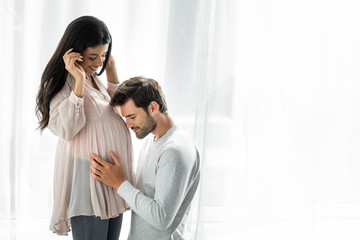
x=74 y=104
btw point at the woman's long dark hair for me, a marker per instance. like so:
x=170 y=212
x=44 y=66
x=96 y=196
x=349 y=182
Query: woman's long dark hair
x=83 y=32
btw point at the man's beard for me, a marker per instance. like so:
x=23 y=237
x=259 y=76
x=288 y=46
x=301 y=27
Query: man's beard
x=149 y=126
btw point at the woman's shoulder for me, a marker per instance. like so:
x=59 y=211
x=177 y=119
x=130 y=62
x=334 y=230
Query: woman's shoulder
x=67 y=88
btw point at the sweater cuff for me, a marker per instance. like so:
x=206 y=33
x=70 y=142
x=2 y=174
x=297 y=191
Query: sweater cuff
x=126 y=190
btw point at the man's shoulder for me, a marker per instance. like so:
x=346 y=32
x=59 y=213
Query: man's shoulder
x=180 y=134
x=179 y=138
x=180 y=143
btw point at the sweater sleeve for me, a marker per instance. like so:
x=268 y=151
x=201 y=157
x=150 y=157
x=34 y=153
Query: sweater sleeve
x=67 y=115
x=173 y=181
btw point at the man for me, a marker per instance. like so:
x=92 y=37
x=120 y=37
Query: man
x=168 y=168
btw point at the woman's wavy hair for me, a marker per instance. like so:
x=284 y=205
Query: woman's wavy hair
x=83 y=32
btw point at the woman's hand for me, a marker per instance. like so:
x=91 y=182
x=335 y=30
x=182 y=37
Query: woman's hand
x=111 y=72
x=73 y=67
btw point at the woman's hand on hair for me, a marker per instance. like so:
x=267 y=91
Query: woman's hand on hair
x=72 y=66
x=111 y=72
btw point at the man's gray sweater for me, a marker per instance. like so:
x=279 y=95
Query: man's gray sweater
x=166 y=181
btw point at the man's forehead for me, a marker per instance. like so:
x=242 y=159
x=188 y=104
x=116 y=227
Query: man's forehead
x=129 y=108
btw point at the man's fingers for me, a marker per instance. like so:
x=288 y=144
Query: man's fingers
x=95 y=176
x=96 y=169
x=99 y=160
x=96 y=157
x=95 y=164
x=113 y=156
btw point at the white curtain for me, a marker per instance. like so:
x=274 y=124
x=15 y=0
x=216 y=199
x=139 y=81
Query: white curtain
x=268 y=89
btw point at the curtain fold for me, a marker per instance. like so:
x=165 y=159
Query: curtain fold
x=8 y=24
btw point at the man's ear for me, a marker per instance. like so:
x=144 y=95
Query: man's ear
x=153 y=107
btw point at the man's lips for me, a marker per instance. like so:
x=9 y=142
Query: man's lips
x=136 y=129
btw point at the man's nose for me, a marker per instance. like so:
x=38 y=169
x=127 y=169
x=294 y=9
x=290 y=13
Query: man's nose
x=128 y=124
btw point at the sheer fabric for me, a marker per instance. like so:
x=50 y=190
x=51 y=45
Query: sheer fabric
x=268 y=89
x=84 y=126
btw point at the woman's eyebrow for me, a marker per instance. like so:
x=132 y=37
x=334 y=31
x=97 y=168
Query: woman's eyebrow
x=94 y=54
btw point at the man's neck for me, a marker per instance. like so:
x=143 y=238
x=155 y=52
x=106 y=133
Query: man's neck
x=164 y=123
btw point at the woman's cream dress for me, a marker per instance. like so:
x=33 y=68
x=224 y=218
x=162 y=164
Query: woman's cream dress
x=84 y=126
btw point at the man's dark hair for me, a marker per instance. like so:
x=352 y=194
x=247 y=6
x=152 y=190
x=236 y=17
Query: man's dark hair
x=142 y=91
